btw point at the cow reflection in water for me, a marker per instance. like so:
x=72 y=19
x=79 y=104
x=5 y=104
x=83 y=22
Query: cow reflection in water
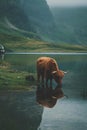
x=47 y=96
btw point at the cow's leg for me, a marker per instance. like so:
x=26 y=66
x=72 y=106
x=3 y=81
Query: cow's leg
x=42 y=77
x=47 y=81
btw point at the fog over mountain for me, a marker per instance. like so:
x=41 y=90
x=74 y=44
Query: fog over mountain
x=67 y=3
x=71 y=24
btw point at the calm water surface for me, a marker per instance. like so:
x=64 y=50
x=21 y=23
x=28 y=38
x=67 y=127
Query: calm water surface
x=21 y=110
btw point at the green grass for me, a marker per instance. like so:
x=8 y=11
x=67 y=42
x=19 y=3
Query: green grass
x=19 y=41
x=24 y=44
x=11 y=79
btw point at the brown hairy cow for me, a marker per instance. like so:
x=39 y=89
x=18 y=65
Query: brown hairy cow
x=47 y=68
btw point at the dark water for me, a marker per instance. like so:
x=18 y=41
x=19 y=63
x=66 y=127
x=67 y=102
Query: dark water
x=21 y=110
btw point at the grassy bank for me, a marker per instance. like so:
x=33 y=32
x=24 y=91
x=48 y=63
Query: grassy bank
x=11 y=79
x=16 y=43
x=18 y=40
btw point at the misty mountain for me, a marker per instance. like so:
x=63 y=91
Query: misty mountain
x=34 y=19
x=71 y=24
x=28 y=16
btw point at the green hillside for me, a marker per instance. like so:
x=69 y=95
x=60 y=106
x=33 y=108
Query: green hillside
x=29 y=26
x=32 y=16
x=71 y=24
x=17 y=40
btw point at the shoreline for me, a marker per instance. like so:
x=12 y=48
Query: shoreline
x=47 y=53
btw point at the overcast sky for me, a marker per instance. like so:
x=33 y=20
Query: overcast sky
x=67 y=2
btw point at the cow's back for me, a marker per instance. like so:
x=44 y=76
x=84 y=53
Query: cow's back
x=46 y=63
x=42 y=61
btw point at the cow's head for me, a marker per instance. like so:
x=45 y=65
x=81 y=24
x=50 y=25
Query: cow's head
x=58 y=75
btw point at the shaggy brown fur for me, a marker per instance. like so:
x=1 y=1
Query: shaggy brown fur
x=47 y=68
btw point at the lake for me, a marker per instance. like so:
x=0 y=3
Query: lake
x=41 y=108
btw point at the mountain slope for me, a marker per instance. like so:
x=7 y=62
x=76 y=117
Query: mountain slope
x=25 y=24
x=71 y=24
x=32 y=16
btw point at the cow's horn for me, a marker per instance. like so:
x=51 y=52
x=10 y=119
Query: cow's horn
x=53 y=72
x=64 y=72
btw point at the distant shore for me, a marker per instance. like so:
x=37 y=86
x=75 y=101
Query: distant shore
x=53 y=53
